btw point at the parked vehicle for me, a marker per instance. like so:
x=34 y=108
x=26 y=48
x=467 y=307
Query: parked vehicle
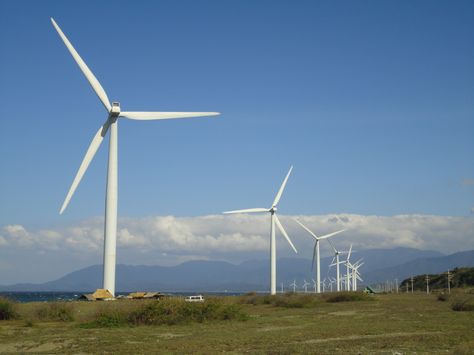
x=196 y=298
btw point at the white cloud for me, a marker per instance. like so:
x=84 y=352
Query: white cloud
x=46 y=254
x=206 y=236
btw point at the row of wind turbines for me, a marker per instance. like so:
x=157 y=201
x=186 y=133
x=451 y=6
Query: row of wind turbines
x=110 y=225
x=352 y=270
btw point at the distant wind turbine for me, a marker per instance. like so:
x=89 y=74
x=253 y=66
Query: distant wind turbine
x=294 y=286
x=316 y=251
x=305 y=285
x=113 y=114
x=273 y=220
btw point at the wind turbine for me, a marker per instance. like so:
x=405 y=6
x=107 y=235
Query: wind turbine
x=113 y=113
x=294 y=286
x=316 y=251
x=347 y=269
x=314 y=284
x=355 y=273
x=305 y=285
x=337 y=263
x=273 y=220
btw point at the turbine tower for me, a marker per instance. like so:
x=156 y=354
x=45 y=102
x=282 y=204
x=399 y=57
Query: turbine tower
x=316 y=251
x=273 y=220
x=337 y=263
x=113 y=114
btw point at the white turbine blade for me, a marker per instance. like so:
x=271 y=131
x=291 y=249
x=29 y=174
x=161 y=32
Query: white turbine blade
x=282 y=230
x=95 y=144
x=99 y=90
x=282 y=187
x=331 y=234
x=349 y=254
x=164 y=115
x=249 y=210
x=332 y=246
x=306 y=228
x=314 y=255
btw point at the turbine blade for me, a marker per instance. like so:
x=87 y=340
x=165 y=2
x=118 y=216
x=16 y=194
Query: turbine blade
x=282 y=187
x=306 y=228
x=95 y=144
x=331 y=234
x=164 y=115
x=349 y=254
x=314 y=254
x=249 y=210
x=99 y=90
x=282 y=230
x=332 y=246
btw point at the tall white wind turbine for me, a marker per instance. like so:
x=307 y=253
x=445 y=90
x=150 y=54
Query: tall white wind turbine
x=316 y=251
x=335 y=261
x=273 y=220
x=113 y=113
x=347 y=269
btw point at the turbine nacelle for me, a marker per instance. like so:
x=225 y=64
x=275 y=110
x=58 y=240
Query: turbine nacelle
x=115 y=109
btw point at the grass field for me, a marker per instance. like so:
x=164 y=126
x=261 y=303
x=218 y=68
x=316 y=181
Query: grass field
x=382 y=324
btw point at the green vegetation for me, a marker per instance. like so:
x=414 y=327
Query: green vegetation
x=463 y=303
x=56 y=311
x=348 y=297
x=288 y=323
x=460 y=278
x=7 y=309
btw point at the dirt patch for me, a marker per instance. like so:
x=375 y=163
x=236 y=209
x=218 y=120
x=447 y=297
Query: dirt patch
x=369 y=336
x=171 y=335
x=273 y=328
x=33 y=347
x=343 y=313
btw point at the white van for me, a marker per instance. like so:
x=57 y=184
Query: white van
x=197 y=298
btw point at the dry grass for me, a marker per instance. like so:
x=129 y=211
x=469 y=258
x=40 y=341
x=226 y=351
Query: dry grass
x=403 y=323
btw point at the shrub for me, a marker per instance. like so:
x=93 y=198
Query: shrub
x=348 y=297
x=7 y=309
x=177 y=311
x=443 y=297
x=109 y=319
x=56 y=311
x=463 y=305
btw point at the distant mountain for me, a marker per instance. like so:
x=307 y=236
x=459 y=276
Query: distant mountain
x=419 y=266
x=460 y=277
x=200 y=276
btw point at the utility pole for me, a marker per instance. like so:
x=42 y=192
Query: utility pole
x=449 y=282
x=427 y=278
x=411 y=284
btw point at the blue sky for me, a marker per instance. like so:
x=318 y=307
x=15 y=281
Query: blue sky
x=371 y=101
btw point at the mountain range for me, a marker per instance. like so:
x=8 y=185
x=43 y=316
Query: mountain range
x=220 y=276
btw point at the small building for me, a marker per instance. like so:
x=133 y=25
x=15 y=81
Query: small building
x=99 y=295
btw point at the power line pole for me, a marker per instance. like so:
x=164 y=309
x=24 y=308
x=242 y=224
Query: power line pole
x=449 y=281
x=427 y=278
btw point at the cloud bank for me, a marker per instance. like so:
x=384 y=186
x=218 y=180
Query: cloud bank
x=238 y=235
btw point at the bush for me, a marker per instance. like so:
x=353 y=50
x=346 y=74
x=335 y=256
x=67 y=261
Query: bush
x=348 y=297
x=109 y=319
x=177 y=311
x=7 y=309
x=443 y=297
x=463 y=305
x=56 y=311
